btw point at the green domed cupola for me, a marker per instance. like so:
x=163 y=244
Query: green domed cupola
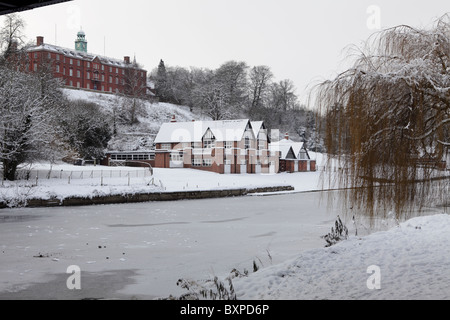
x=81 y=43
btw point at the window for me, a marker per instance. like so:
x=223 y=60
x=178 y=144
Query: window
x=197 y=162
x=35 y=55
x=247 y=143
x=261 y=144
x=88 y=75
x=49 y=55
x=110 y=79
x=110 y=69
x=117 y=80
x=71 y=72
x=78 y=84
x=71 y=61
x=88 y=64
x=140 y=157
x=303 y=155
x=78 y=63
x=166 y=146
x=57 y=57
x=35 y=67
x=57 y=68
x=207 y=162
x=103 y=68
x=88 y=86
x=117 y=70
x=229 y=145
x=78 y=73
x=103 y=78
x=177 y=157
x=208 y=144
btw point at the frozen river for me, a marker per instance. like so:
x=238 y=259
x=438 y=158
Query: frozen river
x=141 y=250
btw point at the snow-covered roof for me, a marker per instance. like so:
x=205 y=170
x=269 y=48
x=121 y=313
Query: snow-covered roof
x=284 y=149
x=257 y=126
x=224 y=130
x=285 y=145
x=72 y=53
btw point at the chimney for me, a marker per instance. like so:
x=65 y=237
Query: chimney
x=286 y=136
x=126 y=59
x=173 y=119
x=14 y=46
x=39 y=41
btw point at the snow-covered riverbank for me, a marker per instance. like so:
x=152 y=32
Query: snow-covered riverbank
x=63 y=181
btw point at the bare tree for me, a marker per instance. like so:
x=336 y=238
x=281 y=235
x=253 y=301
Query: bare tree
x=12 y=35
x=282 y=99
x=232 y=76
x=388 y=118
x=134 y=93
x=260 y=81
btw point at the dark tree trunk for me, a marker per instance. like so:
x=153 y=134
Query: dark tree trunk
x=9 y=170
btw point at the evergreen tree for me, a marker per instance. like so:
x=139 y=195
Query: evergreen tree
x=161 y=82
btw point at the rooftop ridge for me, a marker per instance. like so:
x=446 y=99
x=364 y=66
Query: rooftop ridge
x=78 y=54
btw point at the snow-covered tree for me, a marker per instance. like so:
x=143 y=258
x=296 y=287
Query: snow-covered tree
x=388 y=117
x=27 y=122
x=86 y=129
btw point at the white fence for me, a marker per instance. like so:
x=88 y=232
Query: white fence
x=81 y=174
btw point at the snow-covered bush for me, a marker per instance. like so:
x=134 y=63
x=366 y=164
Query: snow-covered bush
x=338 y=233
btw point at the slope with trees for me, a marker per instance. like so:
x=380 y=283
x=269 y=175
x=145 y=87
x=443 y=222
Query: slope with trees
x=236 y=90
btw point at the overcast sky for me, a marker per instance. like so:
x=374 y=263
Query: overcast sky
x=300 y=40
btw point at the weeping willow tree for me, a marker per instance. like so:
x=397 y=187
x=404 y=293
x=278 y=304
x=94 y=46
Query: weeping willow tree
x=388 y=120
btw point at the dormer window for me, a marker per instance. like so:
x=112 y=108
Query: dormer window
x=303 y=155
x=208 y=143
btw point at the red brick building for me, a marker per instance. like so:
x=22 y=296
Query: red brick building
x=79 y=69
x=294 y=157
x=226 y=147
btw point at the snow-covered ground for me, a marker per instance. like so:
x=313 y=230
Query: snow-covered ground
x=60 y=181
x=88 y=181
x=410 y=261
